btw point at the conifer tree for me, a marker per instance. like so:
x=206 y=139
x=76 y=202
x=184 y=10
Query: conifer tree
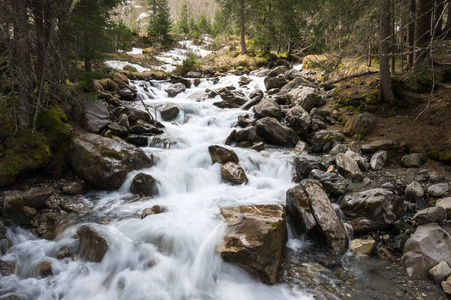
x=160 y=24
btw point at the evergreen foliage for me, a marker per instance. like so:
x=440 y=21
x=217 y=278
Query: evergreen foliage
x=160 y=24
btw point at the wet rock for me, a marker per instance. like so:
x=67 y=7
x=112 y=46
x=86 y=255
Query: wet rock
x=192 y=74
x=438 y=190
x=267 y=108
x=144 y=184
x=277 y=71
x=361 y=123
x=430 y=215
x=80 y=208
x=378 y=160
x=361 y=161
x=255 y=239
x=169 y=112
x=199 y=96
x=43 y=269
x=178 y=79
x=363 y=246
x=332 y=233
x=414 y=160
x=138 y=140
x=63 y=252
x=348 y=167
x=324 y=140
x=414 y=192
x=92 y=246
x=306 y=97
x=425 y=249
x=96 y=116
x=74 y=188
x=332 y=182
x=301 y=146
x=375 y=146
x=248 y=134
x=36 y=197
x=273 y=132
x=154 y=210
x=231 y=99
x=446 y=204
x=6 y=269
x=46 y=225
x=135 y=114
x=222 y=155
x=104 y=163
x=123 y=121
x=258 y=147
x=274 y=83
x=440 y=272
x=234 y=173
x=13 y=208
x=299 y=119
x=371 y=210
x=305 y=164
x=117 y=130
x=175 y=89
x=244 y=80
x=142 y=127
x=299 y=210
x=126 y=94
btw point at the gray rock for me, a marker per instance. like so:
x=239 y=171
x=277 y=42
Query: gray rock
x=123 y=121
x=378 y=160
x=273 y=132
x=295 y=83
x=36 y=197
x=332 y=182
x=414 y=160
x=440 y=272
x=175 y=89
x=178 y=79
x=192 y=74
x=267 y=108
x=200 y=95
x=430 y=215
x=371 y=210
x=299 y=210
x=169 y=112
x=234 y=173
x=154 y=210
x=144 y=184
x=340 y=148
x=96 y=116
x=222 y=155
x=438 y=189
x=361 y=161
x=305 y=164
x=325 y=140
x=446 y=204
x=104 y=163
x=142 y=127
x=425 y=249
x=138 y=140
x=92 y=246
x=74 y=188
x=348 y=167
x=244 y=80
x=231 y=99
x=126 y=94
x=135 y=114
x=414 y=192
x=277 y=71
x=375 y=146
x=299 y=119
x=118 y=130
x=255 y=239
x=248 y=134
x=306 y=97
x=274 y=83
x=360 y=123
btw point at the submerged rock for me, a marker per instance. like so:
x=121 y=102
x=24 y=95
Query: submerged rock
x=144 y=184
x=255 y=239
x=93 y=246
x=170 y=112
x=104 y=163
x=6 y=269
x=154 y=210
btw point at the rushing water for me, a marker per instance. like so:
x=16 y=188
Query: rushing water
x=171 y=255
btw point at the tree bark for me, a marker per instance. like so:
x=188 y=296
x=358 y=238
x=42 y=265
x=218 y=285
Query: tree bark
x=447 y=29
x=422 y=29
x=438 y=18
x=411 y=33
x=243 y=41
x=22 y=61
x=384 y=71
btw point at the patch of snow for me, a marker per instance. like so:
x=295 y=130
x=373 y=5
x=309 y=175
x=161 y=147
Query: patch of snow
x=298 y=67
x=119 y=65
x=136 y=51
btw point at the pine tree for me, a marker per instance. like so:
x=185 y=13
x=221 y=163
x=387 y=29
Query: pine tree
x=183 y=20
x=160 y=23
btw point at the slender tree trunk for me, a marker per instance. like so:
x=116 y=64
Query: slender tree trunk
x=447 y=29
x=411 y=33
x=438 y=18
x=384 y=71
x=243 y=41
x=22 y=61
x=423 y=29
x=393 y=39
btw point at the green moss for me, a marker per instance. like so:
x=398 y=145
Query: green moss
x=53 y=124
x=443 y=157
x=130 y=68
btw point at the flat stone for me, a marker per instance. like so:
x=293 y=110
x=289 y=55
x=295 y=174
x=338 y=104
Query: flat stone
x=363 y=246
x=430 y=215
x=375 y=146
x=438 y=190
x=96 y=116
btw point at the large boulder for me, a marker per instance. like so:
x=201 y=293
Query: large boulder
x=430 y=215
x=255 y=239
x=277 y=71
x=175 y=89
x=272 y=132
x=234 y=173
x=374 y=146
x=103 y=162
x=303 y=165
x=378 y=160
x=267 y=108
x=36 y=197
x=134 y=114
x=332 y=182
x=312 y=204
x=144 y=184
x=169 y=112
x=306 y=97
x=299 y=119
x=274 y=83
x=222 y=155
x=324 y=140
x=429 y=245
x=231 y=98
x=414 y=160
x=348 y=167
x=92 y=246
x=371 y=210
x=96 y=116
x=361 y=123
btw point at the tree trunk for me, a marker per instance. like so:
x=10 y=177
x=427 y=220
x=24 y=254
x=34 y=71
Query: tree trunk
x=243 y=41
x=447 y=29
x=422 y=29
x=393 y=39
x=438 y=18
x=411 y=33
x=384 y=71
x=22 y=61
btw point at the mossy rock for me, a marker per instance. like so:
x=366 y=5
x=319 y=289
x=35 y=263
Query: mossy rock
x=441 y=156
x=23 y=151
x=54 y=125
x=130 y=68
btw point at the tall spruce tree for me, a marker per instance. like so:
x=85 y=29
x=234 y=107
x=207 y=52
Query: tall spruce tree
x=160 y=24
